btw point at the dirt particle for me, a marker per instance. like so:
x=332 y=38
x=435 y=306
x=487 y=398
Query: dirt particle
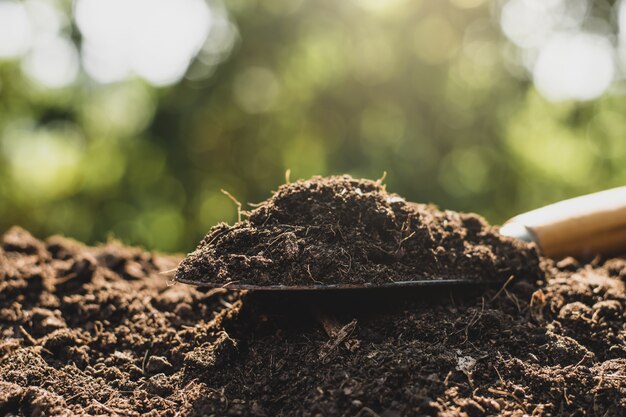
x=158 y=364
x=17 y=239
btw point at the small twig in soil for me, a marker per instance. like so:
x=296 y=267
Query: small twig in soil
x=336 y=332
x=225 y=303
x=348 y=267
x=330 y=324
x=234 y=200
x=567 y=400
x=72 y=397
x=446 y=381
x=581 y=361
x=513 y=299
x=98 y=328
x=27 y=336
x=308 y=269
x=108 y=409
x=407 y=238
x=338 y=232
x=366 y=411
x=287 y=176
x=470 y=380
x=507 y=394
x=143 y=362
x=381 y=179
x=475 y=319
x=499 y=376
x=508 y=281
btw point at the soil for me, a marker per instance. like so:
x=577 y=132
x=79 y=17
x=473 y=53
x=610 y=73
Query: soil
x=101 y=331
x=340 y=230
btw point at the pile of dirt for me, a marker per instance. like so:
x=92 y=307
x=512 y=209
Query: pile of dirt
x=346 y=231
x=100 y=331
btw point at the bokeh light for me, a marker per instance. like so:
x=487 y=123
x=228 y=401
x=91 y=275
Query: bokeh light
x=43 y=163
x=256 y=89
x=52 y=61
x=15 y=29
x=567 y=49
x=577 y=66
x=529 y=23
x=155 y=39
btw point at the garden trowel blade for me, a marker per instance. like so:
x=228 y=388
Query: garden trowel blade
x=419 y=282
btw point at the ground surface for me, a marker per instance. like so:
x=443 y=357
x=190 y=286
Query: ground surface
x=340 y=230
x=100 y=331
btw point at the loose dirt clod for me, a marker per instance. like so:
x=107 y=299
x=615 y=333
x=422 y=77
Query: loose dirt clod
x=340 y=230
x=99 y=331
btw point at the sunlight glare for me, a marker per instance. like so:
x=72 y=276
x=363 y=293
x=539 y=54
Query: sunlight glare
x=46 y=17
x=155 y=39
x=577 y=66
x=53 y=62
x=529 y=23
x=567 y=60
x=16 y=31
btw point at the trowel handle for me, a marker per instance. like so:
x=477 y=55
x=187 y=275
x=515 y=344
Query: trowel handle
x=583 y=226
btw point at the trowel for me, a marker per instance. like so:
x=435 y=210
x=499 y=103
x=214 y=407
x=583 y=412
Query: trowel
x=585 y=226
x=593 y=224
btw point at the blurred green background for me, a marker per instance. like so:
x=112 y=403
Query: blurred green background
x=127 y=117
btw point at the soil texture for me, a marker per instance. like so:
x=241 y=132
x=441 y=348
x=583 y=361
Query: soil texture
x=345 y=231
x=99 y=331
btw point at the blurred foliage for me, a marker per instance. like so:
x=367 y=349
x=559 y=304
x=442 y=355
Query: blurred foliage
x=420 y=89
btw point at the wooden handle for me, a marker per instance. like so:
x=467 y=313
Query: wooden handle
x=582 y=226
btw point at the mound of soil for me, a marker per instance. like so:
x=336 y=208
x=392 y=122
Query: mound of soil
x=100 y=331
x=340 y=230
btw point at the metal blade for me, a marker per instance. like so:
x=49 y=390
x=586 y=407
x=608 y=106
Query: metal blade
x=432 y=282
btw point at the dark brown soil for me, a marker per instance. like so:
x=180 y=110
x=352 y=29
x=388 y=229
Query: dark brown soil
x=99 y=331
x=341 y=230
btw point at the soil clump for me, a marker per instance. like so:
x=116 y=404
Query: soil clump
x=345 y=231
